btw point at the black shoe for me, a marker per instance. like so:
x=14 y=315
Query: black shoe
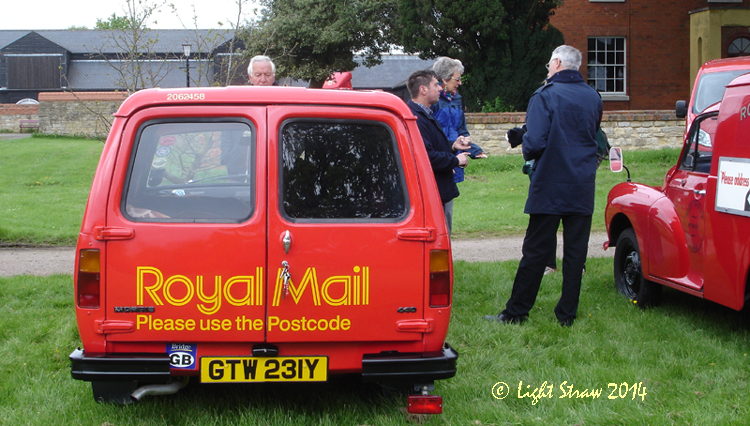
x=567 y=322
x=507 y=319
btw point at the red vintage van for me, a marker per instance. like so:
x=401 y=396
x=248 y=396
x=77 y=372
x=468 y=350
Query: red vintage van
x=256 y=234
x=691 y=233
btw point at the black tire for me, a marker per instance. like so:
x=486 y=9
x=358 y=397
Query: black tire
x=629 y=279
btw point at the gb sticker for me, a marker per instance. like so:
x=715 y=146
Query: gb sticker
x=182 y=355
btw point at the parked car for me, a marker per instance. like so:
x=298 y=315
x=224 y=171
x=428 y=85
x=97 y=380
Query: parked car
x=709 y=85
x=253 y=234
x=691 y=233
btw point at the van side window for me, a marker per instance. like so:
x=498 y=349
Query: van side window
x=341 y=170
x=191 y=172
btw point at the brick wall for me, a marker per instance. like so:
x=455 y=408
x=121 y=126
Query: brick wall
x=78 y=114
x=657 y=44
x=12 y=114
x=629 y=130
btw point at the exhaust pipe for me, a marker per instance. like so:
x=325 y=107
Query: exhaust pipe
x=161 y=389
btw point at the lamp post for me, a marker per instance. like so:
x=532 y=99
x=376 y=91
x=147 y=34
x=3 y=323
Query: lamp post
x=186 y=50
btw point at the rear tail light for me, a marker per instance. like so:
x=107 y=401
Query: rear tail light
x=88 y=283
x=424 y=404
x=440 y=279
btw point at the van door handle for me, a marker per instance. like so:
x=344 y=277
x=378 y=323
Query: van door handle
x=699 y=191
x=287 y=241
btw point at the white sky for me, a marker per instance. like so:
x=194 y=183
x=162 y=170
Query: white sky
x=60 y=14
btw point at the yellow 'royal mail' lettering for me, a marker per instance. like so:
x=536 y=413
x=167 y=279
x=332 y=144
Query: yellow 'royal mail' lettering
x=179 y=290
x=340 y=290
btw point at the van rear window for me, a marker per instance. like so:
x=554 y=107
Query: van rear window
x=341 y=170
x=191 y=172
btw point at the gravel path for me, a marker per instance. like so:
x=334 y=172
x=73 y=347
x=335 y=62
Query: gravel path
x=61 y=260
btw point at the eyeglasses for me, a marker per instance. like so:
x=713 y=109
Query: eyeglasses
x=456 y=79
x=550 y=61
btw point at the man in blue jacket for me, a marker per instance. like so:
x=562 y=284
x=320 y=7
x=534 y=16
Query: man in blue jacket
x=424 y=89
x=562 y=119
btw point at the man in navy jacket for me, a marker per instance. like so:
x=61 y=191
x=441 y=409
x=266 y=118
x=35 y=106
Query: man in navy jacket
x=561 y=120
x=425 y=90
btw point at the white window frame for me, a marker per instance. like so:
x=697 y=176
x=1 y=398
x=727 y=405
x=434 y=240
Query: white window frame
x=609 y=95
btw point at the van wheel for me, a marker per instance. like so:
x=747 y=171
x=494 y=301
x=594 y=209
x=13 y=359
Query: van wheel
x=114 y=392
x=629 y=279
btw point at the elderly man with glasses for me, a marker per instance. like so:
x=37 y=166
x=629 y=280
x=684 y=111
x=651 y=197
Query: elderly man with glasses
x=562 y=120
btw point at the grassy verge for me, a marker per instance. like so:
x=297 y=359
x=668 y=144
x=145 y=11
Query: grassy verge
x=45 y=181
x=687 y=357
x=494 y=192
x=44 y=184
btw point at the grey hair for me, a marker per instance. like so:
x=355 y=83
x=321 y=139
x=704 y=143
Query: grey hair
x=260 y=58
x=569 y=57
x=445 y=67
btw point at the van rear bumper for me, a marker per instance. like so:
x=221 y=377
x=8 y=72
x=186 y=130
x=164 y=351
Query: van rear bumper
x=397 y=367
x=382 y=367
x=143 y=368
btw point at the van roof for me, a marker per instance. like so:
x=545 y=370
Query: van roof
x=725 y=64
x=254 y=95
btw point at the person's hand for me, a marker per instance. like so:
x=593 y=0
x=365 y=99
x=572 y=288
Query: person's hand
x=515 y=136
x=463 y=159
x=462 y=143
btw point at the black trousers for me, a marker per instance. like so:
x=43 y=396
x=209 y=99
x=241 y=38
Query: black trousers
x=541 y=241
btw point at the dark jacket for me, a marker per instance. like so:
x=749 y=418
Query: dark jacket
x=439 y=151
x=562 y=119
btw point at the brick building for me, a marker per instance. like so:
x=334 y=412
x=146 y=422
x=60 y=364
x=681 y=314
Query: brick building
x=644 y=54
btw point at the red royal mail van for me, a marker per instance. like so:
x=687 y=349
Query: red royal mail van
x=256 y=234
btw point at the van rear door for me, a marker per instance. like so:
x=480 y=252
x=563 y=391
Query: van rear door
x=346 y=257
x=186 y=228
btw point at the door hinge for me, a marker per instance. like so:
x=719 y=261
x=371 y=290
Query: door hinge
x=417 y=234
x=415 y=325
x=103 y=233
x=114 y=326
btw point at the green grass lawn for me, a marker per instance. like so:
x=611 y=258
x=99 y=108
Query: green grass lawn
x=494 y=192
x=45 y=181
x=687 y=359
x=44 y=184
x=684 y=362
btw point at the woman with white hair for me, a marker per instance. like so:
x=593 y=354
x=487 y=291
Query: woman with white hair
x=449 y=110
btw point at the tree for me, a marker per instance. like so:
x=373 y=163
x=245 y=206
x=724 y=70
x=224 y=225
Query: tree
x=136 y=64
x=231 y=68
x=503 y=44
x=114 y=22
x=310 y=39
x=134 y=57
